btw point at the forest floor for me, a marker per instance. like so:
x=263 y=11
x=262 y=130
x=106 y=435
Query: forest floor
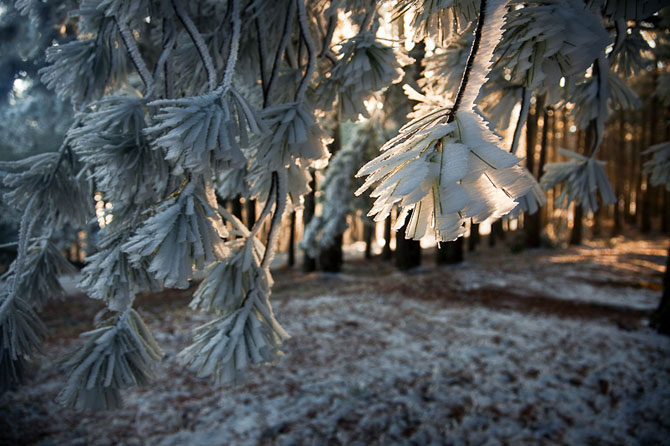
x=542 y=347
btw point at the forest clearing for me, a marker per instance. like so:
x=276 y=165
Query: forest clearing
x=565 y=356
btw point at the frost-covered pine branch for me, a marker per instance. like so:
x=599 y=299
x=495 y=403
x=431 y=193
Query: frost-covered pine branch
x=201 y=134
x=448 y=166
x=584 y=177
x=117 y=355
x=363 y=65
x=184 y=233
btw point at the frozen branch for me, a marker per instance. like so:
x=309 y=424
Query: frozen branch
x=280 y=197
x=471 y=59
x=523 y=116
x=134 y=52
x=197 y=39
x=288 y=25
x=311 y=52
x=234 y=45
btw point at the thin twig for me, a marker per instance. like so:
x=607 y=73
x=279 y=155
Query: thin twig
x=288 y=25
x=197 y=39
x=169 y=39
x=234 y=45
x=25 y=230
x=137 y=59
x=523 y=116
x=332 y=24
x=311 y=52
x=267 y=208
x=471 y=59
x=261 y=36
x=280 y=198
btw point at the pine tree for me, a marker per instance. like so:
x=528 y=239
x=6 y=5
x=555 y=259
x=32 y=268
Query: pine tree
x=175 y=103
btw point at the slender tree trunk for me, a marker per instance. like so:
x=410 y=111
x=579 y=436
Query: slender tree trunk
x=586 y=142
x=309 y=262
x=651 y=125
x=407 y=251
x=330 y=258
x=368 y=235
x=531 y=133
x=497 y=232
x=665 y=208
x=386 y=250
x=661 y=317
x=577 y=228
x=639 y=194
x=533 y=223
x=450 y=253
x=665 y=213
x=474 y=238
x=620 y=158
x=291 y=242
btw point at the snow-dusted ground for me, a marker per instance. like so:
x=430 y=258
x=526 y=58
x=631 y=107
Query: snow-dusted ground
x=384 y=358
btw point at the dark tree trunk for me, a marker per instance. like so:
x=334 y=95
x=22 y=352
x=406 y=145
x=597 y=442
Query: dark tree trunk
x=309 y=262
x=497 y=232
x=598 y=218
x=450 y=253
x=330 y=258
x=237 y=207
x=407 y=251
x=368 y=235
x=577 y=227
x=474 y=238
x=533 y=223
x=620 y=158
x=291 y=242
x=251 y=212
x=386 y=250
x=665 y=216
x=531 y=133
x=587 y=140
x=661 y=317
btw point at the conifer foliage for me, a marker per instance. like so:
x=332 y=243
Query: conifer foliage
x=176 y=100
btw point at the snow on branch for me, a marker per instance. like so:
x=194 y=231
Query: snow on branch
x=111 y=277
x=293 y=136
x=112 y=143
x=448 y=166
x=116 y=356
x=229 y=280
x=364 y=65
x=584 y=177
x=21 y=335
x=184 y=233
x=546 y=40
x=83 y=69
x=203 y=133
x=438 y=19
x=60 y=193
x=38 y=279
x=226 y=346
